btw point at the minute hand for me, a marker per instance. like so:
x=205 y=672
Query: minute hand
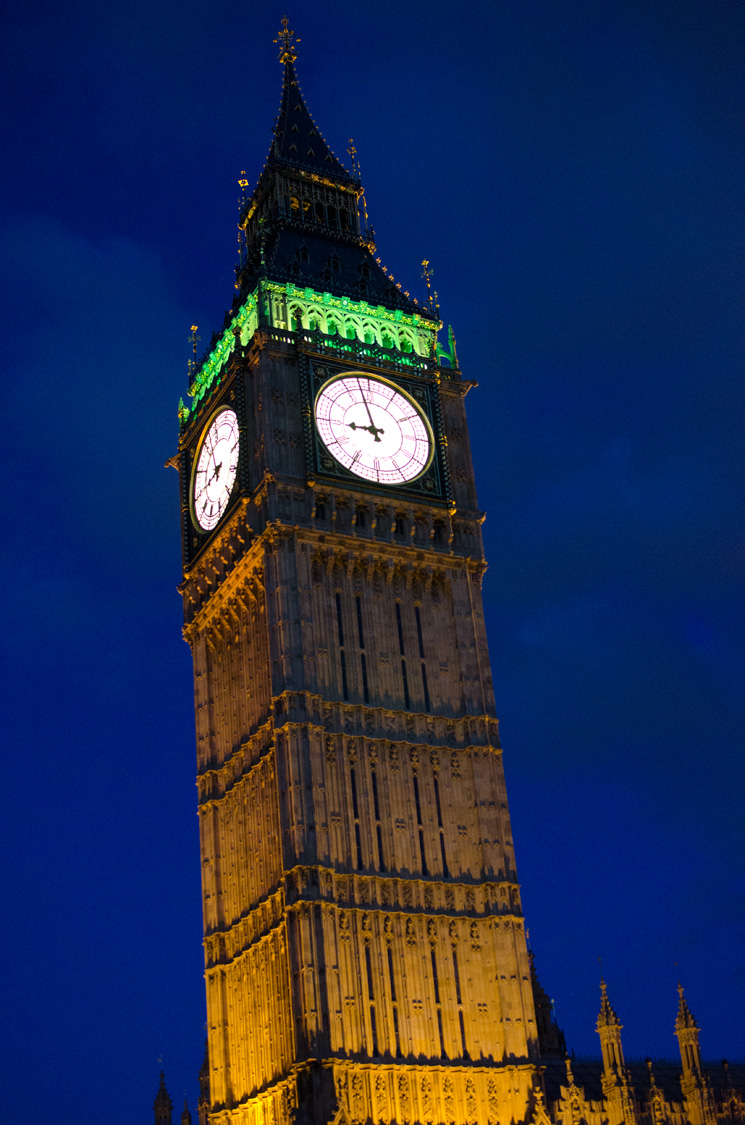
x=372 y=428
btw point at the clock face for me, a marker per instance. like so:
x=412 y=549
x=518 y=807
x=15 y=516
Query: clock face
x=374 y=429
x=215 y=470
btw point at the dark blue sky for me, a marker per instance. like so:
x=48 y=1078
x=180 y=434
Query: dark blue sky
x=574 y=172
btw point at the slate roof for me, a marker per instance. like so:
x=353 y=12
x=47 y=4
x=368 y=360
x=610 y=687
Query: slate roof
x=297 y=138
x=285 y=256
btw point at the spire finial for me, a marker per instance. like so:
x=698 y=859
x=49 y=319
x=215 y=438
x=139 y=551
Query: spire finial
x=193 y=339
x=428 y=274
x=353 y=155
x=287 y=40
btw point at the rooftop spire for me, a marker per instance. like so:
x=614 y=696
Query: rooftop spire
x=684 y=1018
x=606 y=1017
x=162 y=1105
x=297 y=138
x=287 y=40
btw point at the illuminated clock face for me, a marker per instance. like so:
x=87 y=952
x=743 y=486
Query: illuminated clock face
x=215 y=470
x=373 y=429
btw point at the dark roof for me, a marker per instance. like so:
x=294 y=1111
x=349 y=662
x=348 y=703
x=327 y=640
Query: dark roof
x=285 y=259
x=588 y=1073
x=297 y=138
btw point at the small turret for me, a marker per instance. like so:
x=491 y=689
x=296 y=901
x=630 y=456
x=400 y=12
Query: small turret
x=609 y=1029
x=615 y=1080
x=162 y=1105
x=686 y=1029
x=697 y=1093
x=185 y=1115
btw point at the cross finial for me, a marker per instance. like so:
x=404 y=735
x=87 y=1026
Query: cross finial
x=287 y=40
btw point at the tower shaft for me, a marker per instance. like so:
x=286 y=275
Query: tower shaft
x=364 y=942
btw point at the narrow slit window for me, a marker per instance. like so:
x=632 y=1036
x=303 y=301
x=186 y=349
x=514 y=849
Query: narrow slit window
x=400 y=627
x=438 y=806
x=353 y=782
x=376 y=801
x=420 y=638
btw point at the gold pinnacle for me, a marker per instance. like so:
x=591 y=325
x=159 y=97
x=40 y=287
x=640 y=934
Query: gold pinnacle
x=288 y=40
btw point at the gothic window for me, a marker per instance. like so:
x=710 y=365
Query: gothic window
x=366 y=692
x=333 y=219
x=420 y=825
x=438 y=532
x=402 y=654
x=343 y=662
x=320 y=212
x=364 y=292
x=356 y=813
x=294 y=207
x=320 y=510
x=387 y=340
x=369 y=334
x=394 y=999
x=344 y=219
x=295 y=269
x=303 y=255
x=360 y=517
x=335 y=264
x=399 y=526
x=365 y=272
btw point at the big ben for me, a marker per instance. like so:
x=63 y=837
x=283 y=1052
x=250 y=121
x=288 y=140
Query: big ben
x=365 y=952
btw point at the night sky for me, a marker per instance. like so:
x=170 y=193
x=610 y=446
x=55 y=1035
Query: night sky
x=574 y=172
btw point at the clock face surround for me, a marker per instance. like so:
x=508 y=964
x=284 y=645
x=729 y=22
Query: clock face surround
x=373 y=428
x=215 y=470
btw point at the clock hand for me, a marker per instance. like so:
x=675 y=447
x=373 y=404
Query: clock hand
x=374 y=430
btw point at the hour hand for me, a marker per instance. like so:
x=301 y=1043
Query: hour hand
x=371 y=429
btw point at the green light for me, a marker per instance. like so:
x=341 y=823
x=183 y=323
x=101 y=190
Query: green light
x=342 y=319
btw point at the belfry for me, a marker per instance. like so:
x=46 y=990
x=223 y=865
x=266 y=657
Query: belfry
x=365 y=950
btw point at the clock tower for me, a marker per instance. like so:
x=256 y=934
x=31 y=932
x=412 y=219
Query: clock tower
x=364 y=942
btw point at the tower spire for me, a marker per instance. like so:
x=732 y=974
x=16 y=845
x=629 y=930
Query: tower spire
x=297 y=139
x=695 y=1086
x=615 y=1078
x=163 y=1106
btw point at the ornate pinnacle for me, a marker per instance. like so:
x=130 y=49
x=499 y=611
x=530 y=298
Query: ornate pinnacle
x=428 y=274
x=352 y=155
x=286 y=37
